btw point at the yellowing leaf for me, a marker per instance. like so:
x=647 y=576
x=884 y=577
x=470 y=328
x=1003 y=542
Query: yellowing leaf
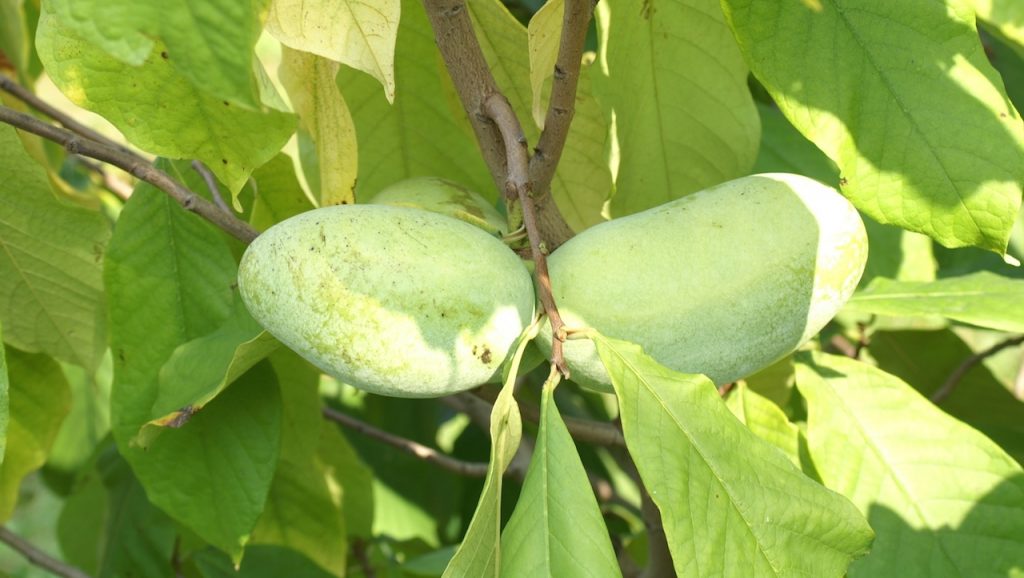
x=359 y=33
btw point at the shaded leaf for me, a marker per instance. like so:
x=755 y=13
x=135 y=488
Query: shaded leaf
x=87 y=423
x=344 y=467
x=556 y=528
x=310 y=82
x=766 y=420
x=982 y=299
x=731 y=503
x=232 y=141
x=260 y=562
x=213 y=474
x=1006 y=18
x=39 y=398
x=878 y=103
x=942 y=498
x=277 y=193
x=210 y=42
x=697 y=125
x=359 y=33
x=50 y=264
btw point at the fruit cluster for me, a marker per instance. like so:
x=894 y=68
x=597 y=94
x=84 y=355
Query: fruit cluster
x=413 y=295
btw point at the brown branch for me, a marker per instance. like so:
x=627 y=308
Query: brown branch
x=211 y=184
x=415 y=449
x=37 y=557
x=7 y=84
x=134 y=165
x=474 y=83
x=958 y=374
x=561 y=108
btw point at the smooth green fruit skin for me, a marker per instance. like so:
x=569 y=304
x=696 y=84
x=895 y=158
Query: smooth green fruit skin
x=722 y=282
x=392 y=300
x=442 y=196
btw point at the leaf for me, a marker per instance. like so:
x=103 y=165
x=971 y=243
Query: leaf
x=926 y=359
x=479 y=555
x=260 y=562
x=544 y=33
x=938 y=494
x=1006 y=17
x=766 y=420
x=696 y=125
x=50 y=264
x=582 y=181
x=5 y=402
x=556 y=528
x=424 y=133
x=210 y=42
x=276 y=194
x=202 y=368
x=731 y=503
x=212 y=475
x=86 y=425
x=232 y=141
x=310 y=82
x=359 y=33
x=982 y=299
x=38 y=400
x=302 y=512
x=879 y=102
x=344 y=467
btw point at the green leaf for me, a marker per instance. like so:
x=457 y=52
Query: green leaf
x=557 y=528
x=302 y=512
x=1006 y=18
x=479 y=555
x=50 y=264
x=926 y=359
x=359 y=33
x=276 y=194
x=87 y=423
x=942 y=498
x=344 y=467
x=202 y=368
x=982 y=299
x=879 y=104
x=111 y=528
x=15 y=38
x=232 y=141
x=209 y=42
x=785 y=150
x=177 y=271
x=39 y=398
x=766 y=420
x=731 y=503
x=583 y=180
x=424 y=133
x=310 y=82
x=260 y=562
x=5 y=401
x=544 y=32
x=696 y=124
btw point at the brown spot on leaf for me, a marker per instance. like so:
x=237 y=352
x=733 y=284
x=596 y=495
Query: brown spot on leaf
x=182 y=416
x=164 y=55
x=842 y=182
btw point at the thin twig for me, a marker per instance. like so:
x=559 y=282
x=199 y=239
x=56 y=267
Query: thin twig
x=470 y=469
x=7 y=84
x=134 y=165
x=584 y=430
x=958 y=374
x=37 y=557
x=359 y=553
x=211 y=184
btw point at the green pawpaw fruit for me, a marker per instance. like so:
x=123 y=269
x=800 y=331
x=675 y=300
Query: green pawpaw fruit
x=722 y=282
x=392 y=300
x=443 y=196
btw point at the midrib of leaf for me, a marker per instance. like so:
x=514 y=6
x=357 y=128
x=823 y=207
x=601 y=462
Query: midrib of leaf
x=903 y=108
x=545 y=479
x=721 y=480
x=35 y=295
x=362 y=36
x=881 y=455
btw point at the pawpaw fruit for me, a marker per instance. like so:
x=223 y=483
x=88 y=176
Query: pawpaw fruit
x=392 y=300
x=445 y=197
x=722 y=282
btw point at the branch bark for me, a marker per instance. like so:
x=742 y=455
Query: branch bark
x=136 y=166
x=958 y=374
x=39 y=558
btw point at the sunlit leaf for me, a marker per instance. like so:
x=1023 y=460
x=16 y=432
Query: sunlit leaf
x=311 y=85
x=766 y=420
x=731 y=504
x=544 y=32
x=942 y=498
x=51 y=295
x=359 y=33
x=696 y=124
x=875 y=84
x=556 y=528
